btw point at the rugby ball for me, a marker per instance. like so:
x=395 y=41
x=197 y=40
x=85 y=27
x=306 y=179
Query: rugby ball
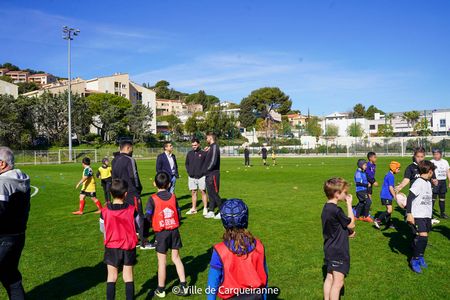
x=401 y=200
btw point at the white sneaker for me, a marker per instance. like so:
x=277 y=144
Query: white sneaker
x=205 y=211
x=435 y=221
x=191 y=212
x=217 y=217
x=209 y=215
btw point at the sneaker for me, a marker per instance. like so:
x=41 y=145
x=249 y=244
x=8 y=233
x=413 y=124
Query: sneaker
x=191 y=211
x=159 y=294
x=415 y=265
x=78 y=212
x=148 y=246
x=209 y=215
x=205 y=211
x=180 y=290
x=368 y=219
x=360 y=218
x=435 y=221
x=377 y=223
x=217 y=217
x=422 y=262
x=444 y=216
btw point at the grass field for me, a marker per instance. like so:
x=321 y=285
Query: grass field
x=63 y=253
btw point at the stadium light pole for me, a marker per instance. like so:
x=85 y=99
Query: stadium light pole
x=68 y=34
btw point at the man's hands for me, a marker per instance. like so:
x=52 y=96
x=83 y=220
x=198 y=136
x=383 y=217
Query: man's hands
x=410 y=218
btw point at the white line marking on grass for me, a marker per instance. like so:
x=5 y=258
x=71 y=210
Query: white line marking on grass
x=36 y=190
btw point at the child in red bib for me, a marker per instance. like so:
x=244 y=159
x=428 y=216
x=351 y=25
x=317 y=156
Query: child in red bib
x=117 y=222
x=163 y=213
x=238 y=264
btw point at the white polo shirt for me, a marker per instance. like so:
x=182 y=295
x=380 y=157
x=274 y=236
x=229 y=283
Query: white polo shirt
x=442 y=168
x=422 y=205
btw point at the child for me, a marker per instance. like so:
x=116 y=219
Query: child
x=419 y=209
x=237 y=263
x=163 y=212
x=442 y=173
x=336 y=228
x=387 y=195
x=104 y=173
x=88 y=187
x=264 y=155
x=274 y=157
x=371 y=170
x=117 y=222
x=362 y=184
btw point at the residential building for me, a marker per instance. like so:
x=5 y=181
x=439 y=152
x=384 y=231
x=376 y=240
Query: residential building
x=165 y=107
x=3 y=71
x=440 y=121
x=296 y=120
x=9 y=89
x=42 y=79
x=18 y=76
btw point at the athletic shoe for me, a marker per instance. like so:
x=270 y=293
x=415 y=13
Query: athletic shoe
x=209 y=215
x=217 y=217
x=148 y=246
x=415 y=265
x=368 y=219
x=422 y=262
x=444 y=216
x=377 y=223
x=180 y=290
x=205 y=211
x=160 y=294
x=360 y=218
x=191 y=212
x=77 y=212
x=435 y=221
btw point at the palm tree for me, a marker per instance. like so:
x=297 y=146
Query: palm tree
x=411 y=117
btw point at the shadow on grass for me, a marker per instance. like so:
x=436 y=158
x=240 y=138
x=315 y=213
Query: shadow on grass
x=400 y=239
x=192 y=265
x=445 y=231
x=70 y=284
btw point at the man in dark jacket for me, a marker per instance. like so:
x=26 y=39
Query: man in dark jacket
x=212 y=171
x=247 y=157
x=124 y=167
x=167 y=162
x=14 y=211
x=194 y=167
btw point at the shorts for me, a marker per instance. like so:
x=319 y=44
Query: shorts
x=88 y=194
x=119 y=257
x=440 y=189
x=362 y=196
x=369 y=190
x=386 y=201
x=197 y=184
x=168 y=239
x=340 y=266
x=422 y=224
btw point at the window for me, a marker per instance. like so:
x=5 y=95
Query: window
x=442 y=123
x=372 y=127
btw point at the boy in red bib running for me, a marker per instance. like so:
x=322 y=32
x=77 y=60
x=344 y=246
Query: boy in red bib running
x=117 y=222
x=164 y=214
x=238 y=264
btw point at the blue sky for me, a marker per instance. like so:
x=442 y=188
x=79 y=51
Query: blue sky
x=327 y=55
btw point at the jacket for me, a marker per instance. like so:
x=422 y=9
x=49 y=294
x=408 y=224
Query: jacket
x=194 y=163
x=163 y=165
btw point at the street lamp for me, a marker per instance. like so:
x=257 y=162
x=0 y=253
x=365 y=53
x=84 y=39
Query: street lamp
x=68 y=34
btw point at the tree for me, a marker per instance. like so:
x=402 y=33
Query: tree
x=6 y=78
x=332 y=130
x=139 y=117
x=193 y=124
x=411 y=117
x=10 y=66
x=223 y=125
x=355 y=130
x=422 y=127
x=110 y=114
x=359 y=111
x=371 y=111
x=260 y=102
x=207 y=101
x=25 y=87
x=174 y=124
x=313 y=127
x=164 y=92
x=285 y=125
x=385 y=130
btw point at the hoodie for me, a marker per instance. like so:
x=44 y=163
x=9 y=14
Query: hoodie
x=361 y=180
x=14 y=202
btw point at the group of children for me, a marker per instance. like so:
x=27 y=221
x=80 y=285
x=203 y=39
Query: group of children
x=427 y=185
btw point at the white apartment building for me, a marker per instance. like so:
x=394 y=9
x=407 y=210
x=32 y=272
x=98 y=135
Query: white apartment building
x=9 y=89
x=42 y=79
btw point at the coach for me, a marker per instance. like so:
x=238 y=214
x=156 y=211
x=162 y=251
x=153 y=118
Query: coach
x=14 y=211
x=167 y=162
x=212 y=171
x=194 y=167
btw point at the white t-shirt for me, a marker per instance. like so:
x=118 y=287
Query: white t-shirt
x=442 y=168
x=422 y=205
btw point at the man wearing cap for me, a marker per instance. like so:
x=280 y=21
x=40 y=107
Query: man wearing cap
x=441 y=173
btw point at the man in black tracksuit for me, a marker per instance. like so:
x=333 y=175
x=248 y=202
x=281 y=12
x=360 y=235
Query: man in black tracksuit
x=247 y=157
x=212 y=171
x=14 y=211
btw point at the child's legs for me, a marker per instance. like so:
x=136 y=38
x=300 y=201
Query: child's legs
x=178 y=264
x=336 y=286
x=161 y=269
x=204 y=198
x=367 y=205
x=327 y=286
x=420 y=242
x=127 y=273
x=194 y=199
x=112 y=274
x=82 y=197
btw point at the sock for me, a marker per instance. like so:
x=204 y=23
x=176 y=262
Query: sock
x=160 y=289
x=420 y=243
x=442 y=205
x=82 y=203
x=388 y=219
x=129 y=290
x=383 y=216
x=110 y=290
x=183 y=284
x=98 y=204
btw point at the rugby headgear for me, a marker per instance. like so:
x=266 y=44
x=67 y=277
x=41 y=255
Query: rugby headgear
x=361 y=162
x=394 y=165
x=234 y=214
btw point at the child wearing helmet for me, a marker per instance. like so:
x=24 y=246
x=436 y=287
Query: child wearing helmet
x=238 y=264
x=387 y=194
x=362 y=185
x=104 y=174
x=442 y=173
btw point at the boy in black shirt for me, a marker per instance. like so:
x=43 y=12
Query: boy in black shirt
x=337 y=228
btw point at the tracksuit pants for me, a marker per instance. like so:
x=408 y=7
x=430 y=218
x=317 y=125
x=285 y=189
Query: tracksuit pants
x=247 y=161
x=212 y=186
x=106 y=185
x=11 y=247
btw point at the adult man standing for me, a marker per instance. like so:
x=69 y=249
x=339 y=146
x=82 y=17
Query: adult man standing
x=194 y=167
x=14 y=211
x=246 y=157
x=212 y=171
x=124 y=167
x=167 y=162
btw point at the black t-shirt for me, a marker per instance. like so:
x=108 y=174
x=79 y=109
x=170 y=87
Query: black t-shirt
x=412 y=173
x=264 y=153
x=335 y=233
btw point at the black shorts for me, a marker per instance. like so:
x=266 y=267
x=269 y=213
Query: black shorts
x=386 y=201
x=422 y=224
x=119 y=257
x=440 y=189
x=167 y=239
x=88 y=194
x=369 y=190
x=362 y=196
x=340 y=266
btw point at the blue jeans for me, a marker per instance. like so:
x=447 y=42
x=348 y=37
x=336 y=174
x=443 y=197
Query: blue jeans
x=172 y=184
x=10 y=251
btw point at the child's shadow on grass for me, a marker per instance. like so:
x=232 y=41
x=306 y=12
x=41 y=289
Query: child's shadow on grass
x=70 y=284
x=192 y=266
x=445 y=231
x=400 y=239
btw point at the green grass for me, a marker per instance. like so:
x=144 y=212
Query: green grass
x=63 y=253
